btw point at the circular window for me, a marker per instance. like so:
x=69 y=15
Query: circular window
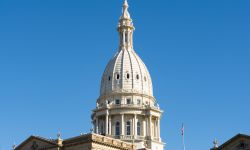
x=137 y=77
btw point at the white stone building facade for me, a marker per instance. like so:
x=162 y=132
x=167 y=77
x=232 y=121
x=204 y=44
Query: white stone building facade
x=126 y=108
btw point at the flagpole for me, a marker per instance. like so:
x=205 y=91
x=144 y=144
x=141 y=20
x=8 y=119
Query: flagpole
x=183 y=137
x=183 y=142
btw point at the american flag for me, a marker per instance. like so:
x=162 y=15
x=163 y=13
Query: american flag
x=182 y=130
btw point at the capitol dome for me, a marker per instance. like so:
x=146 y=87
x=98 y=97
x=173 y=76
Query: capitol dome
x=126 y=108
x=126 y=73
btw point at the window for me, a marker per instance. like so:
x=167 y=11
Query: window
x=145 y=79
x=138 y=128
x=109 y=78
x=117 y=102
x=102 y=127
x=137 y=77
x=128 y=101
x=126 y=37
x=128 y=76
x=138 y=102
x=117 y=128
x=128 y=128
x=117 y=76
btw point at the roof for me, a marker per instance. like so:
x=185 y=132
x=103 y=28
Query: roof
x=86 y=138
x=96 y=138
x=231 y=140
x=49 y=141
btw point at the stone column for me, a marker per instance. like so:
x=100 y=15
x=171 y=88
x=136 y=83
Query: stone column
x=110 y=126
x=147 y=130
x=97 y=126
x=155 y=128
x=144 y=129
x=123 y=38
x=107 y=124
x=150 y=126
x=159 y=129
x=135 y=125
x=122 y=124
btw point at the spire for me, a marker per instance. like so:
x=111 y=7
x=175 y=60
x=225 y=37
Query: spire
x=125 y=13
x=126 y=28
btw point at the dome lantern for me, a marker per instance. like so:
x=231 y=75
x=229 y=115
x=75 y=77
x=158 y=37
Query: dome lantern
x=125 y=29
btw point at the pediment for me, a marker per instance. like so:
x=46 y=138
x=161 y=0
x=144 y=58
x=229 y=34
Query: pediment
x=36 y=143
x=239 y=142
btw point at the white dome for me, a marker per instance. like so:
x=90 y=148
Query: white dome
x=126 y=73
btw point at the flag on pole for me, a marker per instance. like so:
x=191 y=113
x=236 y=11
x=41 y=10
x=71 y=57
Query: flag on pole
x=182 y=130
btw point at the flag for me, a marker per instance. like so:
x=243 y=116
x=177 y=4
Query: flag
x=182 y=130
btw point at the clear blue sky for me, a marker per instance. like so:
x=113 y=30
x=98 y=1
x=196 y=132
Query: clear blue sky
x=53 y=53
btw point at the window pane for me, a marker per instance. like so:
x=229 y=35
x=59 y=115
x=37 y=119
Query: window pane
x=128 y=126
x=138 y=128
x=117 y=128
x=117 y=102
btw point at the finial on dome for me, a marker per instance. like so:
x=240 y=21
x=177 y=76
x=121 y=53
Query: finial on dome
x=59 y=135
x=14 y=146
x=125 y=13
x=215 y=142
x=125 y=3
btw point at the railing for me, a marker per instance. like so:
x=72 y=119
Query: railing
x=128 y=137
x=156 y=139
x=127 y=105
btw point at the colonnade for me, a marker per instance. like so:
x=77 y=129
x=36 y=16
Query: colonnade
x=149 y=126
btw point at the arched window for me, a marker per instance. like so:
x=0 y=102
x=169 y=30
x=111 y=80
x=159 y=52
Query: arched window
x=128 y=128
x=117 y=128
x=138 y=128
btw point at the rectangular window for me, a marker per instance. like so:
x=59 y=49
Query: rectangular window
x=117 y=102
x=138 y=102
x=128 y=126
x=128 y=101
